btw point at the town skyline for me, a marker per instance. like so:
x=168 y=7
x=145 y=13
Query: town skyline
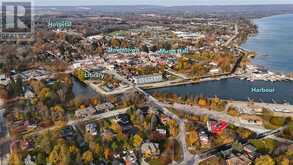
x=156 y=2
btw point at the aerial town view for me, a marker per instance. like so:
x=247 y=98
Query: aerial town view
x=153 y=82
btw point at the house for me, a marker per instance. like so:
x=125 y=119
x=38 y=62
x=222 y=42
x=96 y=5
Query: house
x=107 y=134
x=67 y=132
x=104 y=107
x=164 y=119
x=150 y=150
x=130 y=158
x=203 y=137
x=28 y=160
x=19 y=145
x=83 y=113
x=161 y=131
x=250 y=150
x=217 y=127
x=28 y=93
x=251 y=119
x=123 y=118
x=4 y=80
x=92 y=129
x=145 y=79
x=214 y=71
x=238 y=160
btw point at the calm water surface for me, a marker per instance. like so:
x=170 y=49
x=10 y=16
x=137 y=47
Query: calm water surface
x=273 y=43
x=235 y=89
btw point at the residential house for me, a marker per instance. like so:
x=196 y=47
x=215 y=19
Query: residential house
x=92 y=129
x=83 y=113
x=238 y=160
x=250 y=150
x=251 y=119
x=150 y=150
x=104 y=107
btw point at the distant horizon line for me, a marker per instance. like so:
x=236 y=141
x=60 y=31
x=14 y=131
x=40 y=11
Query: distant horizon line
x=205 y=5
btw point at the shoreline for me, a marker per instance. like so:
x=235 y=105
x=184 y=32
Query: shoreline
x=254 y=20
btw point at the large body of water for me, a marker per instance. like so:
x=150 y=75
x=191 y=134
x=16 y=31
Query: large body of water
x=274 y=47
x=235 y=89
x=273 y=43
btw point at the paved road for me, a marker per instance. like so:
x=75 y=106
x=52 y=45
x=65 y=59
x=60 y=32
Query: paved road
x=214 y=151
x=196 y=110
x=177 y=74
x=95 y=117
x=109 y=114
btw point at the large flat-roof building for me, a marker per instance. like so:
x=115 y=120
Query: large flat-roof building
x=145 y=79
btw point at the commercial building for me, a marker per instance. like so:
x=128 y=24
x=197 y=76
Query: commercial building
x=145 y=79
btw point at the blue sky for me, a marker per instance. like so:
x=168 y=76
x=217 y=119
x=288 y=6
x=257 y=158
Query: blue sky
x=154 y=2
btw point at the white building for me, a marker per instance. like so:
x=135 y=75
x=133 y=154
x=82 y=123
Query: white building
x=4 y=80
x=145 y=79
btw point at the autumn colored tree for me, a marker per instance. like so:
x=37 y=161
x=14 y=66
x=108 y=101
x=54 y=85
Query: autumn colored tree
x=264 y=160
x=192 y=137
x=87 y=157
x=115 y=43
x=137 y=140
x=107 y=153
x=15 y=159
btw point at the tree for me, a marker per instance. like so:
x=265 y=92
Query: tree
x=244 y=133
x=46 y=142
x=107 y=153
x=41 y=158
x=282 y=160
x=192 y=138
x=19 y=85
x=278 y=121
x=124 y=44
x=137 y=140
x=87 y=157
x=80 y=74
x=114 y=146
x=145 y=49
x=154 y=121
x=95 y=148
x=15 y=159
x=60 y=155
x=115 y=43
x=202 y=102
x=264 y=160
x=232 y=112
x=265 y=145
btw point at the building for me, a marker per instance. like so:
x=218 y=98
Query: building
x=92 y=129
x=251 y=119
x=250 y=150
x=238 y=160
x=104 y=107
x=29 y=160
x=150 y=150
x=214 y=71
x=162 y=131
x=217 y=127
x=4 y=80
x=28 y=94
x=203 y=137
x=82 y=113
x=130 y=158
x=145 y=79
